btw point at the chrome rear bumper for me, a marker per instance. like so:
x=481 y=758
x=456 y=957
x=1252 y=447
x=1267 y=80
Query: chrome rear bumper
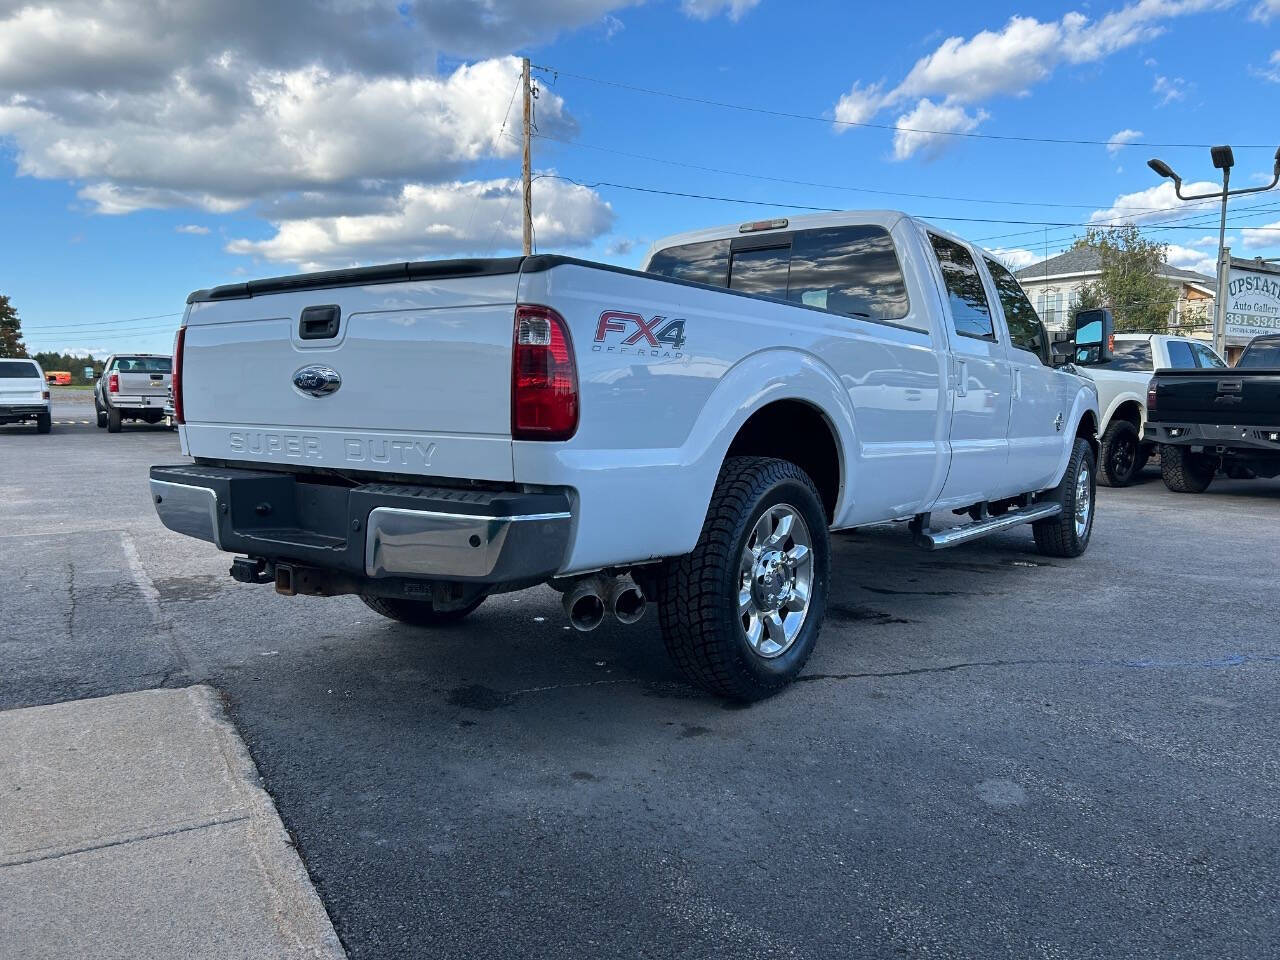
x=378 y=531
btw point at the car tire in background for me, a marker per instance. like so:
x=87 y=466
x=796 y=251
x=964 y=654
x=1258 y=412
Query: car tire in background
x=417 y=613
x=44 y=422
x=102 y=415
x=1121 y=458
x=763 y=557
x=113 y=420
x=1067 y=535
x=1184 y=471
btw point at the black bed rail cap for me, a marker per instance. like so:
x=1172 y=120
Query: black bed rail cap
x=359 y=276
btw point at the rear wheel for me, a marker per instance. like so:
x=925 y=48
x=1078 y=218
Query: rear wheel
x=1067 y=535
x=44 y=423
x=740 y=614
x=113 y=420
x=1184 y=471
x=417 y=613
x=1122 y=458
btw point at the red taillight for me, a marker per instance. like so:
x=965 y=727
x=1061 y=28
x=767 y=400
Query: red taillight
x=544 y=380
x=175 y=381
x=113 y=383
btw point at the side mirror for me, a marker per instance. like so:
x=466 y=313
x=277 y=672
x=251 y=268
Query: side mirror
x=1062 y=347
x=1095 y=337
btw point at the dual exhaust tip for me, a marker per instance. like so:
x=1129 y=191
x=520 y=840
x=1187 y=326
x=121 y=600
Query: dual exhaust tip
x=589 y=600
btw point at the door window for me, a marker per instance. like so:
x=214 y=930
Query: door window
x=1133 y=355
x=1205 y=356
x=970 y=311
x=1180 y=357
x=1025 y=330
x=853 y=271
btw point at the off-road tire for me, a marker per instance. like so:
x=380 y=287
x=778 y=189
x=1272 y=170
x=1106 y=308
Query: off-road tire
x=44 y=423
x=1112 y=469
x=698 y=593
x=1057 y=536
x=417 y=613
x=113 y=420
x=1184 y=471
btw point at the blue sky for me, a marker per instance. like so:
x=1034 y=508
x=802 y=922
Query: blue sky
x=135 y=168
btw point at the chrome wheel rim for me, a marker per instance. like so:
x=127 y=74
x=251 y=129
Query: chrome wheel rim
x=775 y=581
x=1084 y=501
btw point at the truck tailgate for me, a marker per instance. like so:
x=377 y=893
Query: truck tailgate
x=143 y=384
x=416 y=378
x=1218 y=396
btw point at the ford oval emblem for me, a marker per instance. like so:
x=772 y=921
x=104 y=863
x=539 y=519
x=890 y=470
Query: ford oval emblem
x=317 y=380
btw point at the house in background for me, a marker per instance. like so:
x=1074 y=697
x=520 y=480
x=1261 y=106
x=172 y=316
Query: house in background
x=1054 y=287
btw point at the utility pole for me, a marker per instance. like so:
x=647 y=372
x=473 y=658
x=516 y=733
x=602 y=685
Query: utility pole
x=526 y=171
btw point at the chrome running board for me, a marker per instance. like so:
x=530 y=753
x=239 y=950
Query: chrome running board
x=954 y=536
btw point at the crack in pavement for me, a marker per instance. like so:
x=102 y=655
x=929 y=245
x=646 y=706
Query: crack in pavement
x=1231 y=660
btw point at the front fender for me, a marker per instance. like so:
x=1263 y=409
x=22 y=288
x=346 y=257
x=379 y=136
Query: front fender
x=1085 y=402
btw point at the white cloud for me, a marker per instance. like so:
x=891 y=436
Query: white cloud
x=1010 y=61
x=1015 y=258
x=621 y=246
x=1169 y=89
x=1116 y=142
x=706 y=9
x=1265 y=10
x=859 y=105
x=1254 y=238
x=938 y=118
x=1189 y=259
x=1205 y=242
x=427 y=220
x=192 y=228
x=1272 y=70
x=1157 y=203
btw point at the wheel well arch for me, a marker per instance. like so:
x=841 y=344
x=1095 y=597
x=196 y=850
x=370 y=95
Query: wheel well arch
x=799 y=432
x=1087 y=430
x=1130 y=410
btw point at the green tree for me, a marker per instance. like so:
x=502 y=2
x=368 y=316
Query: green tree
x=1130 y=286
x=11 y=344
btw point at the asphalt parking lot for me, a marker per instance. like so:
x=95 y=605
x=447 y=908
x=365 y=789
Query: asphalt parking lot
x=991 y=755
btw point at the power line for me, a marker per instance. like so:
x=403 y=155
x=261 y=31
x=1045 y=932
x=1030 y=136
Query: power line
x=830 y=186
x=109 y=323
x=796 y=206
x=705 y=101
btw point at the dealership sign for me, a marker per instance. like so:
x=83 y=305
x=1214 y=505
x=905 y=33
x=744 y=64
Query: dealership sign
x=1253 y=299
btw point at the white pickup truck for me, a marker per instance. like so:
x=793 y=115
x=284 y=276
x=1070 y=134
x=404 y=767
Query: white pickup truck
x=1122 y=384
x=425 y=434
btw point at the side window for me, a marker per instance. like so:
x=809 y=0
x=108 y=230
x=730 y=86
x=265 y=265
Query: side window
x=761 y=271
x=1180 y=357
x=1025 y=330
x=706 y=262
x=852 y=271
x=969 y=308
x=1205 y=356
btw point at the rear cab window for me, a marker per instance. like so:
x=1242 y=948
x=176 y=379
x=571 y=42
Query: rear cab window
x=1130 y=355
x=143 y=364
x=1264 y=354
x=850 y=270
x=970 y=311
x=18 y=370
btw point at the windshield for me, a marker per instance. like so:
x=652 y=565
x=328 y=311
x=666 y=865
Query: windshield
x=18 y=370
x=143 y=364
x=1265 y=353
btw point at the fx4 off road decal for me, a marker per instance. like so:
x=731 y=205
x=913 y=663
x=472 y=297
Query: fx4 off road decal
x=622 y=332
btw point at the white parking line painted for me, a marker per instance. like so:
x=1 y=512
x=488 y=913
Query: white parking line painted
x=148 y=589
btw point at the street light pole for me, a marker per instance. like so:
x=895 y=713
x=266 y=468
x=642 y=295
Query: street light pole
x=1224 y=160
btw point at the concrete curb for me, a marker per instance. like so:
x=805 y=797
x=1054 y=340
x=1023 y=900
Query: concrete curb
x=135 y=826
